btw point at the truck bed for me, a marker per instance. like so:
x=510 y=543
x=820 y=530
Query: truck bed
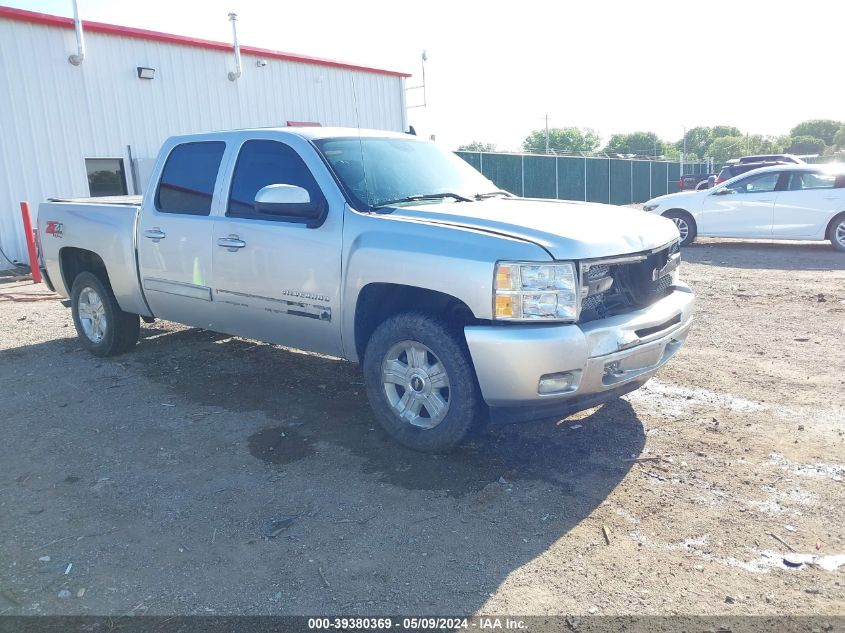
x=106 y=227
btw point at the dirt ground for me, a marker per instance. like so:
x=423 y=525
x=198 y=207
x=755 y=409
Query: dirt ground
x=146 y=484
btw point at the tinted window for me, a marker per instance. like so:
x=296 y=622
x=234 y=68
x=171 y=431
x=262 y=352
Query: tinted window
x=811 y=180
x=105 y=177
x=187 y=182
x=759 y=183
x=263 y=163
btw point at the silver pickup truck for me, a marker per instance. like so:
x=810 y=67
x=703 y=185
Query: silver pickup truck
x=461 y=302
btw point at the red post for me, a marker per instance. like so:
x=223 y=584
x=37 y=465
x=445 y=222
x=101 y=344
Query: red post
x=30 y=243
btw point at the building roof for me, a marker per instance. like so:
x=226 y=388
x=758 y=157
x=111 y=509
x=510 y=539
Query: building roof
x=34 y=17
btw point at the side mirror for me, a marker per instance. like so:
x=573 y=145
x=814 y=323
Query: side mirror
x=723 y=192
x=289 y=203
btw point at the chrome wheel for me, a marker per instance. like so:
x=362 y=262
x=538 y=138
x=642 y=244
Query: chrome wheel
x=683 y=227
x=839 y=234
x=416 y=384
x=92 y=314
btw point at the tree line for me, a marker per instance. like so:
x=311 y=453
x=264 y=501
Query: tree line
x=720 y=142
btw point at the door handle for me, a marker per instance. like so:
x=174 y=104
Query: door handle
x=765 y=199
x=155 y=234
x=231 y=243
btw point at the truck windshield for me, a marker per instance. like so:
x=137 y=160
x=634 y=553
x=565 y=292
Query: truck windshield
x=379 y=171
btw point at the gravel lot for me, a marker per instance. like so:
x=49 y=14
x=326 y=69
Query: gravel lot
x=144 y=484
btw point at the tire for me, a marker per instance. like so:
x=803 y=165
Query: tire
x=685 y=223
x=836 y=234
x=421 y=383
x=103 y=328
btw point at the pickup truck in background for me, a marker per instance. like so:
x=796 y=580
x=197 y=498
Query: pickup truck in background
x=696 y=182
x=461 y=302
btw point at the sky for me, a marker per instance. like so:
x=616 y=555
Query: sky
x=496 y=69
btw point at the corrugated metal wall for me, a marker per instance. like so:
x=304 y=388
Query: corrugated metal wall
x=54 y=115
x=608 y=180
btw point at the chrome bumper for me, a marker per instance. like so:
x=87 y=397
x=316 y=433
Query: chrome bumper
x=607 y=357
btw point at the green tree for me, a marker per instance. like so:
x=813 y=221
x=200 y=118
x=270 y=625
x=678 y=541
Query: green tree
x=699 y=139
x=805 y=144
x=822 y=129
x=726 y=147
x=643 y=143
x=839 y=138
x=477 y=146
x=720 y=131
x=563 y=139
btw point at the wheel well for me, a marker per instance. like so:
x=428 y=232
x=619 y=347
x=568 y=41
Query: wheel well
x=78 y=260
x=828 y=232
x=379 y=301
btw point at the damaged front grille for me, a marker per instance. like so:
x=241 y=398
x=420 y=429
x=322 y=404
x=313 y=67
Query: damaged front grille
x=615 y=285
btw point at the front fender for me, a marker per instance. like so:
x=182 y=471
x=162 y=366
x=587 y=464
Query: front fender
x=451 y=260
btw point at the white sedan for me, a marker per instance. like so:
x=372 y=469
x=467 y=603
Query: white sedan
x=784 y=202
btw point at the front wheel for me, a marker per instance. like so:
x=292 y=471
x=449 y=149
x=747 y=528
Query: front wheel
x=103 y=328
x=686 y=225
x=421 y=383
x=837 y=232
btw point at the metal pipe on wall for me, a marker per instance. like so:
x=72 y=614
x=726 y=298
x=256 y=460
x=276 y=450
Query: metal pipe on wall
x=233 y=18
x=79 y=57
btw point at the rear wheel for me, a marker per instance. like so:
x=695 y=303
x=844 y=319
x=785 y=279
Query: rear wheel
x=685 y=223
x=837 y=232
x=421 y=383
x=103 y=328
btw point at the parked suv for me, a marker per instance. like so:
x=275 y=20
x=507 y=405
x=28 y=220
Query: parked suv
x=776 y=158
x=731 y=171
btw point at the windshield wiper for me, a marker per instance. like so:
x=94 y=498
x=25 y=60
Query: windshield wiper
x=426 y=196
x=490 y=194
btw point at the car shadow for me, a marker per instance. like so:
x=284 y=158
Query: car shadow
x=764 y=255
x=390 y=522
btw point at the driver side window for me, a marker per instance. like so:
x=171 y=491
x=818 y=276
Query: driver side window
x=760 y=183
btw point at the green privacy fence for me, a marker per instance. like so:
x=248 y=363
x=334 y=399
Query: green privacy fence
x=594 y=179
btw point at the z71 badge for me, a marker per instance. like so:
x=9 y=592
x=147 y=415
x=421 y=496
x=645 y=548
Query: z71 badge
x=54 y=228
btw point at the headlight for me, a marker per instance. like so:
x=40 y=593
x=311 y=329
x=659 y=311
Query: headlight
x=651 y=207
x=527 y=291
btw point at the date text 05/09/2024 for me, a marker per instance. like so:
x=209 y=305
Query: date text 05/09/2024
x=412 y=623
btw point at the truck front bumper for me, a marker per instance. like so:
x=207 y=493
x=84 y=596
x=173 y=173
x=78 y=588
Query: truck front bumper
x=600 y=360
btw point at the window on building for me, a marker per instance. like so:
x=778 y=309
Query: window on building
x=261 y=163
x=106 y=177
x=187 y=181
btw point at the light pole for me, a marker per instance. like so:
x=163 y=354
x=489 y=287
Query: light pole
x=547 y=134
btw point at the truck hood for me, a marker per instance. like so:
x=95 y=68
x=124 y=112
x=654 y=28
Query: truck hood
x=567 y=230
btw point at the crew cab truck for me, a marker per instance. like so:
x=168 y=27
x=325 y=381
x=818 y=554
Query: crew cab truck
x=461 y=302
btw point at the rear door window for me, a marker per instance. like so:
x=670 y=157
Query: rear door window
x=188 y=178
x=802 y=180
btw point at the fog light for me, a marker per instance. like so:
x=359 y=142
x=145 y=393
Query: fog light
x=613 y=369
x=558 y=383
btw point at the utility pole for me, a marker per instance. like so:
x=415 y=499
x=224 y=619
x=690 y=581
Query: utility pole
x=547 y=134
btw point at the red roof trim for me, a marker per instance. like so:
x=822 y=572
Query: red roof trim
x=33 y=17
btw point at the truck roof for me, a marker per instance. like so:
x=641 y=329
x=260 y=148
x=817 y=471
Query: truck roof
x=310 y=133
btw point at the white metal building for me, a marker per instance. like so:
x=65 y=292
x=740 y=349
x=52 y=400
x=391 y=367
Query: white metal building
x=95 y=128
